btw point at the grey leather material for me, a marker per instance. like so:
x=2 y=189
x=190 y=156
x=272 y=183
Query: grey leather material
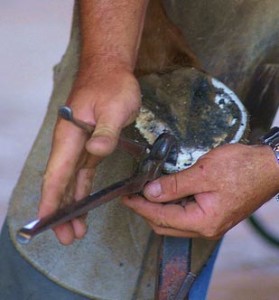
x=231 y=38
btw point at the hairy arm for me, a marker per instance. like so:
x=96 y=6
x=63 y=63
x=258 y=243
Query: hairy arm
x=112 y=29
x=105 y=94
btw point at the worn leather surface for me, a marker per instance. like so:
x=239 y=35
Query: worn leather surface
x=230 y=38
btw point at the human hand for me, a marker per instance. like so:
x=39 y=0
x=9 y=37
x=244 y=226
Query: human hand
x=228 y=184
x=108 y=98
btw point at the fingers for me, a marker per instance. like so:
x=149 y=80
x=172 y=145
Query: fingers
x=160 y=230
x=59 y=184
x=176 y=220
x=110 y=103
x=179 y=185
x=169 y=219
x=65 y=234
x=84 y=181
x=77 y=228
x=81 y=187
x=68 y=232
x=67 y=146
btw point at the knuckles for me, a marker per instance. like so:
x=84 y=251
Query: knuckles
x=169 y=185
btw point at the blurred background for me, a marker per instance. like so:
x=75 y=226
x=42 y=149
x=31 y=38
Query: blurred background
x=34 y=35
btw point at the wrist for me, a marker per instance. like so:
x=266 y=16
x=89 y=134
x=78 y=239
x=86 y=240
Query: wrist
x=270 y=166
x=103 y=65
x=105 y=62
x=271 y=139
x=103 y=74
x=271 y=142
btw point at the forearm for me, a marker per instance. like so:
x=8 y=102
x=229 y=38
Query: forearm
x=111 y=31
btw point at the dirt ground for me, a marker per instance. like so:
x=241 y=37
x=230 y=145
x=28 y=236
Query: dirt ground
x=34 y=35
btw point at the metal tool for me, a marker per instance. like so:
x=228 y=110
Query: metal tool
x=175 y=255
x=150 y=167
x=132 y=147
x=66 y=113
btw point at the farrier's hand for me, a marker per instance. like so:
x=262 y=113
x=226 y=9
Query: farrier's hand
x=228 y=183
x=110 y=100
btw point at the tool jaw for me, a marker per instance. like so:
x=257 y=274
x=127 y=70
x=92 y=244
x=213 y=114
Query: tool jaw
x=164 y=150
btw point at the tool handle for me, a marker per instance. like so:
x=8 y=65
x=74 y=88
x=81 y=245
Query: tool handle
x=78 y=208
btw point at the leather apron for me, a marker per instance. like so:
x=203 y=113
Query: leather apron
x=231 y=38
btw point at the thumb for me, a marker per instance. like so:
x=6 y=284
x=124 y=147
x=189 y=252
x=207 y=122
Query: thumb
x=185 y=183
x=105 y=136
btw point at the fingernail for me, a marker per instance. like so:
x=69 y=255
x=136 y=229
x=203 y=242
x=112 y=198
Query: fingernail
x=154 y=189
x=103 y=140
